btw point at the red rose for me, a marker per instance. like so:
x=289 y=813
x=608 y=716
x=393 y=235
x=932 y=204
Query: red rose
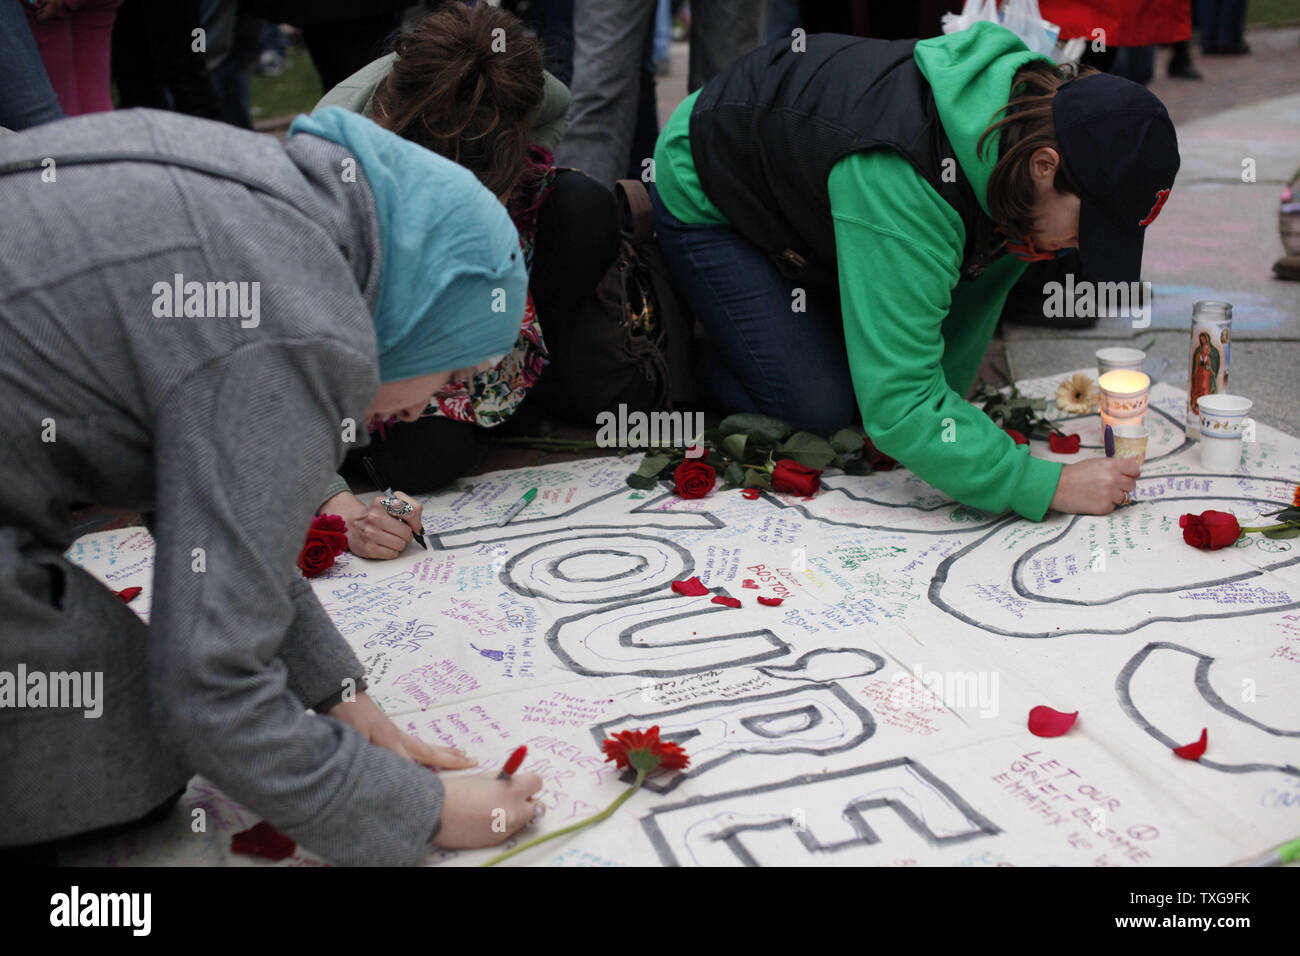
x=331 y=528
x=316 y=557
x=876 y=458
x=790 y=476
x=1063 y=444
x=694 y=479
x=1210 y=530
x=1018 y=438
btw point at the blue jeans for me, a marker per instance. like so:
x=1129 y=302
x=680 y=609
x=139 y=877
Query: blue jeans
x=26 y=97
x=767 y=357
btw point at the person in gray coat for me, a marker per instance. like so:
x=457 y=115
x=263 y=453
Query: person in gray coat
x=194 y=323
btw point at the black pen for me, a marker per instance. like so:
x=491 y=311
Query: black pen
x=373 y=472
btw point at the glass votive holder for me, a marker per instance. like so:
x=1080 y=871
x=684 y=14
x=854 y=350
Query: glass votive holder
x=1131 y=442
x=1112 y=359
x=1124 y=394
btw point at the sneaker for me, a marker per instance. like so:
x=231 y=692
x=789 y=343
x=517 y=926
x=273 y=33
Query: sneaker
x=1184 y=70
x=271 y=63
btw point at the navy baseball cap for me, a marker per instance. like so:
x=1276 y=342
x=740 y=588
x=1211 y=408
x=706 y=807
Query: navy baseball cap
x=1118 y=142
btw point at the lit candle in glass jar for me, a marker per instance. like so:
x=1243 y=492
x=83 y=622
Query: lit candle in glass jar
x=1124 y=394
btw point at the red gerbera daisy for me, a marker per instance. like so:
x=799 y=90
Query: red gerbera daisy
x=644 y=751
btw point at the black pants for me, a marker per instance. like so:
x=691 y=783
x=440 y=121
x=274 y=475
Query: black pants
x=154 y=63
x=339 y=48
x=577 y=239
x=47 y=854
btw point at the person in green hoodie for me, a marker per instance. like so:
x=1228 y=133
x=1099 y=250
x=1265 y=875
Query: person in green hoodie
x=846 y=217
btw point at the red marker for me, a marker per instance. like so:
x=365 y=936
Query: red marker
x=512 y=764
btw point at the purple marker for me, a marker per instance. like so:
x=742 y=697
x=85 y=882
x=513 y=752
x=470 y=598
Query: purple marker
x=1109 y=439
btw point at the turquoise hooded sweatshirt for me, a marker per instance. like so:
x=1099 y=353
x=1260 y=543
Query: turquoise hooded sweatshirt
x=915 y=331
x=452 y=278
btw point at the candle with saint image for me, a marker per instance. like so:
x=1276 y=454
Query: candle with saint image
x=1124 y=395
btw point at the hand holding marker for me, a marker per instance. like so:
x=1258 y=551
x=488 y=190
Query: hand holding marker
x=513 y=763
x=392 y=504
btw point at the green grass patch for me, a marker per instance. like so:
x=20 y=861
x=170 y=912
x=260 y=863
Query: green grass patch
x=1272 y=13
x=296 y=90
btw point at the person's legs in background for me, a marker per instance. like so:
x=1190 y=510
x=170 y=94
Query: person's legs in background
x=552 y=21
x=92 y=39
x=154 y=60
x=647 y=115
x=577 y=240
x=609 y=37
x=782 y=19
x=1136 y=63
x=1223 y=25
x=767 y=357
x=722 y=31
x=1180 y=64
x=27 y=98
x=339 y=48
x=54 y=39
x=232 y=78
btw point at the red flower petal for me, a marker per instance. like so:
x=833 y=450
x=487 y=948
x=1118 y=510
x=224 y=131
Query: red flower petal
x=1063 y=444
x=723 y=599
x=750 y=493
x=263 y=840
x=128 y=594
x=691 y=587
x=1018 y=438
x=514 y=760
x=1192 y=751
x=1045 y=722
x=749 y=583
x=770 y=602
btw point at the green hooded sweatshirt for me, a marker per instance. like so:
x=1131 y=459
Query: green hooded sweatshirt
x=915 y=331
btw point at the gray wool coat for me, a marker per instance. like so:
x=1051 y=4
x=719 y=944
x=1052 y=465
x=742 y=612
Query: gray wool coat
x=224 y=434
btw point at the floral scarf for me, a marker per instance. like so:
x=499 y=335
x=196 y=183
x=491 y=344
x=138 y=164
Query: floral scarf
x=493 y=396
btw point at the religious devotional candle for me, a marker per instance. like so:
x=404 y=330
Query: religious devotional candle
x=1208 y=366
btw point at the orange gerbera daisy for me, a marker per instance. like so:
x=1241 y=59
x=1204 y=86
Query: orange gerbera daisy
x=1295 y=499
x=644 y=751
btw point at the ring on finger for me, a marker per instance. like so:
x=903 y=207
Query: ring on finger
x=395 y=506
x=1128 y=498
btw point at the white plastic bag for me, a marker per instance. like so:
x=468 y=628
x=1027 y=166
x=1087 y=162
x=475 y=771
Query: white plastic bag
x=1023 y=19
x=973 y=11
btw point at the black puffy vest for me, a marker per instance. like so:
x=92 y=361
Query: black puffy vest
x=765 y=133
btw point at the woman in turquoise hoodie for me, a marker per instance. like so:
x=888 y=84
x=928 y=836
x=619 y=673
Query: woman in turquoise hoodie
x=846 y=217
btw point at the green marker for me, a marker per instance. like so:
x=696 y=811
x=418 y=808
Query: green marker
x=517 y=507
x=1286 y=853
